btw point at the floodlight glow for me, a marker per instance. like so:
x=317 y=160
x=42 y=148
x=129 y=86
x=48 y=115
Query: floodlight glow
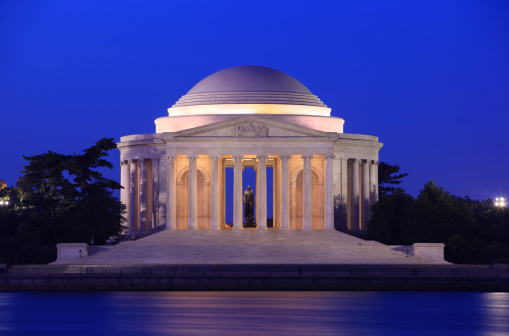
x=500 y=202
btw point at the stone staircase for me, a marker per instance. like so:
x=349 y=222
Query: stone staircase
x=252 y=247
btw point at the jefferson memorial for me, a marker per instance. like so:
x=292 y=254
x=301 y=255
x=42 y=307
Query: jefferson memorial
x=256 y=117
x=186 y=194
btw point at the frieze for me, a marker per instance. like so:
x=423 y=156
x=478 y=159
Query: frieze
x=250 y=130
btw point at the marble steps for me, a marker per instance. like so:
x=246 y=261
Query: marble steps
x=250 y=247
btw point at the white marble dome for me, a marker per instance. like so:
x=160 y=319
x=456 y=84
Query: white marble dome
x=249 y=84
x=249 y=90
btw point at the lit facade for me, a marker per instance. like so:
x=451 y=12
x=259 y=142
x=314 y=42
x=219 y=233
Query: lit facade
x=249 y=116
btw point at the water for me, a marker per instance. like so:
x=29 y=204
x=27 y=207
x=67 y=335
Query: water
x=254 y=313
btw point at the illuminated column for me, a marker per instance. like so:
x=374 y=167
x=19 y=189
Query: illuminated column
x=365 y=194
x=214 y=193
x=329 y=192
x=307 y=197
x=237 y=192
x=355 y=195
x=262 y=192
x=285 y=192
x=133 y=196
x=193 y=194
x=171 y=208
x=124 y=179
x=372 y=183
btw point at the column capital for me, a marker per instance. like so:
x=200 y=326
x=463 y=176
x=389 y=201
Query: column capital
x=132 y=160
x=285 y=156
x=215 y=156
x=261 y=156
x=329 y=156
x=307 y=156
x=352 y=161
x=237 y=156
x=171 y=156
x=192 y=156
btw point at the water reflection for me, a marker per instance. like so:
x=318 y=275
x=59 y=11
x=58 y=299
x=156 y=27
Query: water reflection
x=254 y=313
x=497 y=313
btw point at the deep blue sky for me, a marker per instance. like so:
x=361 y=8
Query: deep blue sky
x=429 y=78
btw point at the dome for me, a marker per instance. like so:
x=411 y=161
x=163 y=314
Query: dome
x=249 y=84
x=248 y=90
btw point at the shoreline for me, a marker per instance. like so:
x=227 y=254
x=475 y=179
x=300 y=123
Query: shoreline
x=288 y=277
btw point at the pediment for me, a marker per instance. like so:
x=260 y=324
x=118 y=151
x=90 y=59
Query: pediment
x=251 y=127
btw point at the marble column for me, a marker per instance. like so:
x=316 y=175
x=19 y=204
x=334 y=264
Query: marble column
x=144 y=195
x=329 y=192
x=133 y=196
x=238 y=200
x=285 y=192
x=214 y=192
x=307 y=194
x=171 y=204
x=155 y=193
x=124 y=180
x=365 y=194
x=355 y=196
x=261 y=219
x=376 y=181
x=193 y=194
x=344 y=206
x=372 y=186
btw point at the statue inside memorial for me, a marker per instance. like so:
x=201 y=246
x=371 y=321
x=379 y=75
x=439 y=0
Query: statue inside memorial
x=248 y=207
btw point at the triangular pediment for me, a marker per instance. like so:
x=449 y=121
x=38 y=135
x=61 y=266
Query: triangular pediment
x=251 y=127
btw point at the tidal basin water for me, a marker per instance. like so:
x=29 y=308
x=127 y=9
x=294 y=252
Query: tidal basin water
x=254 y=313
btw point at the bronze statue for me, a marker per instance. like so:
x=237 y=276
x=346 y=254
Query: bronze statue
x=248 y=205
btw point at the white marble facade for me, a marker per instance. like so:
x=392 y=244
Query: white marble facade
x=249 y=116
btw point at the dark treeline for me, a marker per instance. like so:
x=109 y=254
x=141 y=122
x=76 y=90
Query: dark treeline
x=59 y=199
x=474 y=232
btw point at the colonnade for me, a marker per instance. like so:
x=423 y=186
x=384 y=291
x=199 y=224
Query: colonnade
x=146 y=211
x=364 y=192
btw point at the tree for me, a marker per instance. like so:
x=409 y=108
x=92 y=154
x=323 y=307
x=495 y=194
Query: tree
x=66 y=199
x=470 y=229
x=388 y=217
x=2 y=184
x=388 y=178
x=437 y=215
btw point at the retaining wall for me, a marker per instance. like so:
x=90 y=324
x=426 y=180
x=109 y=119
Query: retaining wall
x=255 y=277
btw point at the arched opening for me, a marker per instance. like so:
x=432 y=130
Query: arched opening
x=297 y=199
x=182 y=205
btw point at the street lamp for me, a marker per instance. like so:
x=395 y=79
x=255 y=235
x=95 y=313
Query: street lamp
x=4 y=202
x=500 y=204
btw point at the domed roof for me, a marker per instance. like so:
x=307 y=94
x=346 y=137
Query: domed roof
x=249 y=84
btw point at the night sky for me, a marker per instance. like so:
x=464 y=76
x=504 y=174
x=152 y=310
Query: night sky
x=429 y=78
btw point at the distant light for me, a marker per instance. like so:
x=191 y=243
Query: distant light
x=500 y=202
